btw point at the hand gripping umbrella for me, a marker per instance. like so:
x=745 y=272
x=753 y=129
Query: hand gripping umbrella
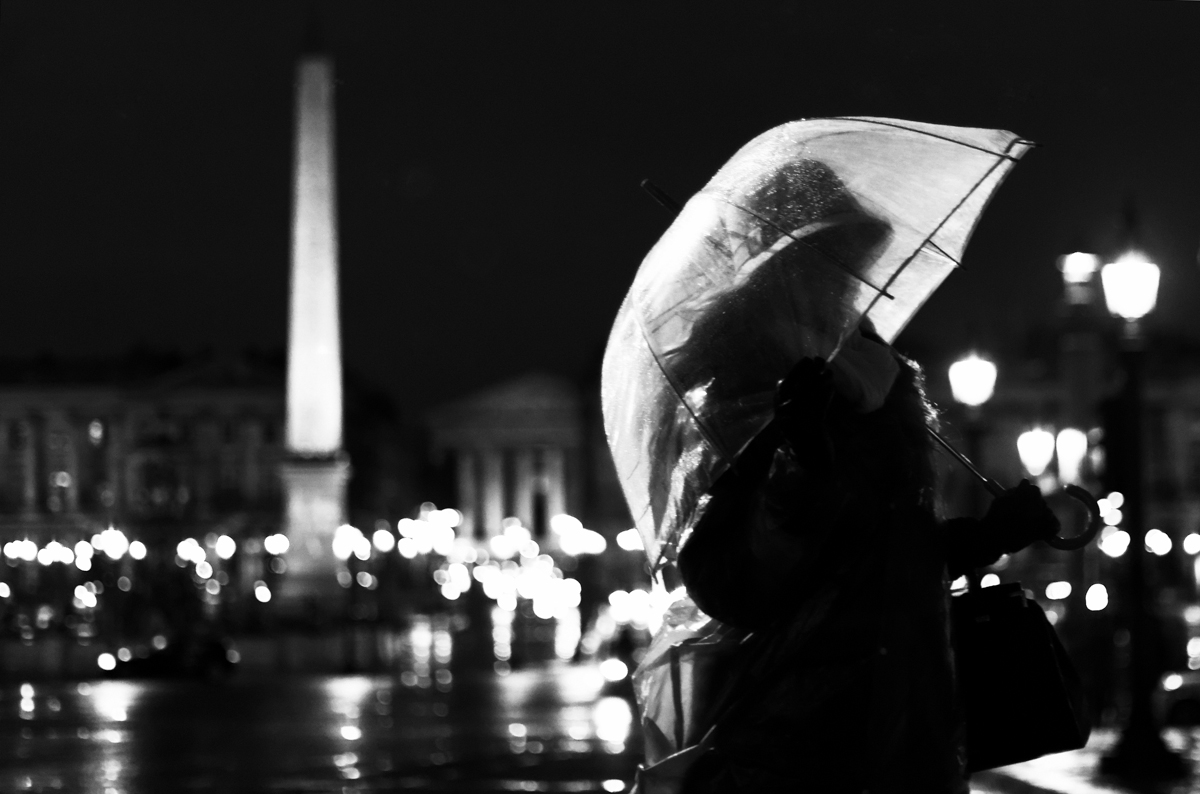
x=809 y=229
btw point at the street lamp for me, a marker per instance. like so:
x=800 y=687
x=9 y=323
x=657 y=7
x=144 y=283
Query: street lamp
x=1036 y=449
x=1039 y=447
x=1078 y=270
x=1130 y=291
x=972 y=382
x=1071 y=448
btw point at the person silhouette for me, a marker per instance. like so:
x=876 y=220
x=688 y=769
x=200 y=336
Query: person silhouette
x=824 y=541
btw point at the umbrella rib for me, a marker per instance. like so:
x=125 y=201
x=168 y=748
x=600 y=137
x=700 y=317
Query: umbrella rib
x=841 y=266
x=668 y=311
x=713 y=443
x=942 y=251
x=1005 y=154
x=653 y=347
x=929 y=239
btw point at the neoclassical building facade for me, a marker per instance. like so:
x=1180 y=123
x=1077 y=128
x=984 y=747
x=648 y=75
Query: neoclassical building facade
x=516 y=450
x=174 y=454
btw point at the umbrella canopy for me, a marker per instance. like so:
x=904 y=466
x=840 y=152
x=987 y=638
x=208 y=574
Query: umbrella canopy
x=810 y=228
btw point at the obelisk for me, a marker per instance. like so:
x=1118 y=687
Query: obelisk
x=315 y=468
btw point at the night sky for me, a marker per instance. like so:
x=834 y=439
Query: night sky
x=490 y=155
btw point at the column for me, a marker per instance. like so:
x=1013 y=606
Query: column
x=524 y=476
x=206 y=445
x=29 y=465
x=467 y=492
x=71 y=465
x=129 y=472
x=115 y=447
x=251 y=458
x=555 y=470
x=6 y=468
x=493 y=491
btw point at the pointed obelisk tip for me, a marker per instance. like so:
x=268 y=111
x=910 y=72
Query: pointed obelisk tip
x=314 y=33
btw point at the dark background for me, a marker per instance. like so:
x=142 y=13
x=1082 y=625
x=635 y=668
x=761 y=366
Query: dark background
x=490 y=155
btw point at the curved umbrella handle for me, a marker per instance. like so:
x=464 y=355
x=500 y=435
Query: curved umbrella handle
x=1082 y=496
x=1074 y=491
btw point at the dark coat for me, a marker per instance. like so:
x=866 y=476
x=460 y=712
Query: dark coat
x=839 y=567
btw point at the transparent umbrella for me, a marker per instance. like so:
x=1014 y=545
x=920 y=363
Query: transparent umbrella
x=810 y=228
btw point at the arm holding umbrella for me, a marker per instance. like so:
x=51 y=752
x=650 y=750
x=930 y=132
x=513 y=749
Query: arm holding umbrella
x=796 y=455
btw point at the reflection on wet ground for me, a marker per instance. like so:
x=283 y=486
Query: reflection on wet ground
x=545 y=728
x=1079 y=771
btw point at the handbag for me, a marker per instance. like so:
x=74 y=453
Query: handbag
x=1021 y=694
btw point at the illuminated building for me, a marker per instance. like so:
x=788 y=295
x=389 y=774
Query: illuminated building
x=516 y=450
x=167 y=447
x=526 y=465
x=529 y=448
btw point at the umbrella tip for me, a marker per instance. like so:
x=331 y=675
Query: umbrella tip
x=660 y=195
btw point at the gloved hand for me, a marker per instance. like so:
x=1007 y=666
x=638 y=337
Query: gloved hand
x=802 y=401
x=1017 y=518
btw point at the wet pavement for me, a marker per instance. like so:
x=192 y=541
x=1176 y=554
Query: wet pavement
x=1078 y=771
x=552 y=727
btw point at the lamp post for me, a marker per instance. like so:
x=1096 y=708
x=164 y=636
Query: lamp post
x=972 y=382
x=1130 y=291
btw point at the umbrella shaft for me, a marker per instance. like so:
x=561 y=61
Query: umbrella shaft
x=993 y=487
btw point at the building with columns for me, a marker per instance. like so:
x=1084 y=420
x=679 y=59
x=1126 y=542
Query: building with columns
x=516 y=450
